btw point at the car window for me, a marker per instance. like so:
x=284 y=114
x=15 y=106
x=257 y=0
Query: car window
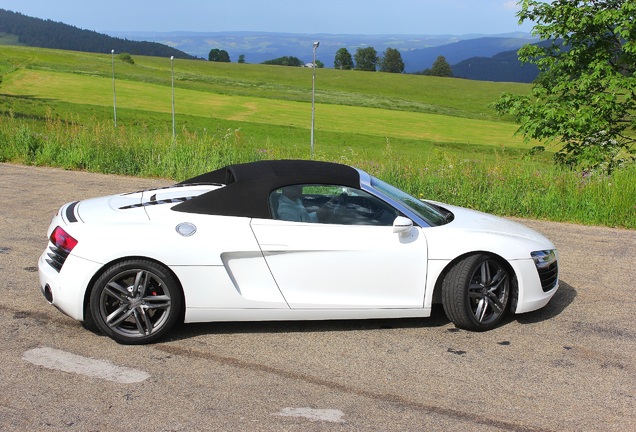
x=431 y=214
x=330 y=204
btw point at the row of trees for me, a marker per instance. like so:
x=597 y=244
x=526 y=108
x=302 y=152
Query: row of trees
x=366 y=59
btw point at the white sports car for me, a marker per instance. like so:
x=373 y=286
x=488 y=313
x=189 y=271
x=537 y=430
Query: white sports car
x=286 y=240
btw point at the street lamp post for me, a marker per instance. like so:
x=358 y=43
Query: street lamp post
x=173 y=124
x=112 y=52
x=313 y=98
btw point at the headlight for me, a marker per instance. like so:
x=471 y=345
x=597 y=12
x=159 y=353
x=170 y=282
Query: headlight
x=543 y=259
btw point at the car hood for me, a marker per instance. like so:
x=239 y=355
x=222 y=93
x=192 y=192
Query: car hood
x=136 y=206
x=472 y=230
x=473 y=220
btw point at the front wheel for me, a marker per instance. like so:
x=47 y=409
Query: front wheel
x=475 y=292
x=135 y=302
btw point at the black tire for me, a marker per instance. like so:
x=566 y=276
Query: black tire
x=476 y=292
x=136 y=302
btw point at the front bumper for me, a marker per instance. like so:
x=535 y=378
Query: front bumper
x=531 y=292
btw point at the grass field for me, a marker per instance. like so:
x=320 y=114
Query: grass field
x=433 y=136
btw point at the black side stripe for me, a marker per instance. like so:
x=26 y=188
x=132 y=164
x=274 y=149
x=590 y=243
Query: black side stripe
x=150 y=203
x=174 y=186
x=70 y=212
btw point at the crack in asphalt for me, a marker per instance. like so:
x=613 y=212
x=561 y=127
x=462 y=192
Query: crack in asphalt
x=333 y=385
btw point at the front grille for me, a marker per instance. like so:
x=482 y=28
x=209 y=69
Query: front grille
x=56 y=257
x=549 y=276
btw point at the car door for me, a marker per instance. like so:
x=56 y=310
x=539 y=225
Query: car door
x=346 y=263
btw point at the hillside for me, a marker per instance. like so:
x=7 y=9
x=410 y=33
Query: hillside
x=420 y=59
x=354 y=109
x=40 y=33
x=502 y=67
x=418 y=51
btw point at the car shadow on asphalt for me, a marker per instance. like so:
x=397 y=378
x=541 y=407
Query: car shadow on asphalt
x=185 y=331
x=561 y=300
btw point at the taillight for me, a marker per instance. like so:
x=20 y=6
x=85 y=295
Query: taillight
x=63 y=240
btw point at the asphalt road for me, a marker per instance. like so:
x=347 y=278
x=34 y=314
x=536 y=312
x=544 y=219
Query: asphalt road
x=570 y=366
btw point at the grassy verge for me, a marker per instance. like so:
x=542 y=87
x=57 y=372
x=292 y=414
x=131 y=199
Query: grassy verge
x=496 y=183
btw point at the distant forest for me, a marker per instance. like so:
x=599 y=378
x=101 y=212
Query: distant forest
x=502 y=67
x=41 y=33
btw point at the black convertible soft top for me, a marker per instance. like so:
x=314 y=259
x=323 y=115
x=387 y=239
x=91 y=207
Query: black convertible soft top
x=248 y=186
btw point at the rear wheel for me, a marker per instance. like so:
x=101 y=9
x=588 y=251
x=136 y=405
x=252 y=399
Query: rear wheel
x=136 y=302
x=475 y=292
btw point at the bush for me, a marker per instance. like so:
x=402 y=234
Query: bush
x=125 y=57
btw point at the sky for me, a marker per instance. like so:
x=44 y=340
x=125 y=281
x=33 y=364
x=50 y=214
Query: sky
x=418 y=17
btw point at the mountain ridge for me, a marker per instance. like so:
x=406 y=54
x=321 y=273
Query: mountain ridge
x=41 y=33
x=418 y=51
x=472 y=56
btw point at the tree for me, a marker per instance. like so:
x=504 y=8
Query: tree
x=584 y=98
x=366 y=59
x=392 y=61
x=319 y=64
x=440 y=68
x=241 y=58
x=343 y=60
x=218 y=55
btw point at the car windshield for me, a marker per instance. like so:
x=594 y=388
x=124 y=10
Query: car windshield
x=429 y=213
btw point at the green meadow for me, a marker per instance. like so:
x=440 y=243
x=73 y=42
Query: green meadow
x=438 y=138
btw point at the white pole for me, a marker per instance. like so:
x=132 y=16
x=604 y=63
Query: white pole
x=173 y=123
x=313 y=98
x=112 y=52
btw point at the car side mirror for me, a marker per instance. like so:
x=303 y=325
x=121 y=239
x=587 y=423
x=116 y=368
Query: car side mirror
x=402 y=224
